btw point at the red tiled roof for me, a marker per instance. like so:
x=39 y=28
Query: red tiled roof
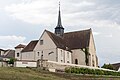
x=20 y=46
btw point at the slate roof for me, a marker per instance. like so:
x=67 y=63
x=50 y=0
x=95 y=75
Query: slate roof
x=116 y=66
x=20 y=46
x=78 y=39
x=10 y=54
x=30 y=46
x=72 y=40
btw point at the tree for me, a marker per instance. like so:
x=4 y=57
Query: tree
x=107 y=66
x=11 y=61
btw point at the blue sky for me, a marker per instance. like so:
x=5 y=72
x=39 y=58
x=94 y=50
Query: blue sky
x=24 y=20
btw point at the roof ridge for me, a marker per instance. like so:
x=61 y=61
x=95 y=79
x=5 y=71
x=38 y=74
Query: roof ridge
x=78 y=31
x=34 y=40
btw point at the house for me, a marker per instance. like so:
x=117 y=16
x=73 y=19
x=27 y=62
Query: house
x=116 y=66
x=18 y=50
x=5 y=56
x=76 y=47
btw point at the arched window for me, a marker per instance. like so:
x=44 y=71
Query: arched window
x=76 y=61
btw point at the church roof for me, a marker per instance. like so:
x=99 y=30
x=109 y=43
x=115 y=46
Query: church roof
x=30 y=46
x=77 y=39
x=20 y=46
x=72 y=40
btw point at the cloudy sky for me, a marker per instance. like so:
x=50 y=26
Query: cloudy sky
x=24 y=20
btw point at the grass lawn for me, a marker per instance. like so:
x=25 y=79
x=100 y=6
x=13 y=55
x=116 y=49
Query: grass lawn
x=10 y=73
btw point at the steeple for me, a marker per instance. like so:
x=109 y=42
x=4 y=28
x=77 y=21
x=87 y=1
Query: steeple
x=59 y=30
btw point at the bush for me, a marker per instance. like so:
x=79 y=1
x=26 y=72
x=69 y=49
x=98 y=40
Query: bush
x=11 y=61
x=90 y=71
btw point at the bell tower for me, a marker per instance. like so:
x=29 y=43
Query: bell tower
x=59 y=30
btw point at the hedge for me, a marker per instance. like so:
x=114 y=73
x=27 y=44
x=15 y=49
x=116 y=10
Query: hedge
x=90 y=71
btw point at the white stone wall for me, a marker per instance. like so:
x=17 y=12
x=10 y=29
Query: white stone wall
x=64 y=56
x=92 y=52
x=47 y=49
x=79 y=55
x=61 y=66
x=28 y=56
x=48 y=54
x=25 y=64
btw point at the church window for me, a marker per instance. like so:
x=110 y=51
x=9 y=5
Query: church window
x=61 y=53
x=41 y=42
x=93 y=63
x=38 y=53
x=17 y=54
x=67 y=54
x=76 y=61
x=68 y=62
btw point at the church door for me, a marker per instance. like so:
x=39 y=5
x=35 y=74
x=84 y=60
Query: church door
x=76 y=61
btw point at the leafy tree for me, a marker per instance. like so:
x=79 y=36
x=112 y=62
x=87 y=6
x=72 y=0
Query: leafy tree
x=11 y=61
x=107 y=66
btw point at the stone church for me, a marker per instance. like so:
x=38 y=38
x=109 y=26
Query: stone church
x=72 y=48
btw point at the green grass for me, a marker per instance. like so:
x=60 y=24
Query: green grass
x=10 y=73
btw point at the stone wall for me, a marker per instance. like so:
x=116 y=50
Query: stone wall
x=53 y=66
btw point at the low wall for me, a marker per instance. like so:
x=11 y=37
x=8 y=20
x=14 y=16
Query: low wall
x=25 y=64
x=61 y=66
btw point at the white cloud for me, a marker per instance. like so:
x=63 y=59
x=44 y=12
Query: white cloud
x=96 y=33
x=82 y=13
x=11 y=41
x=110 y=36
x=35 y=12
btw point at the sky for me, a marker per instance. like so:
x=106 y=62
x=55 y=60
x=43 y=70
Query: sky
x=24 y=20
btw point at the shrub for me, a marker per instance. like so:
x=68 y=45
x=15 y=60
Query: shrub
x=90 y=71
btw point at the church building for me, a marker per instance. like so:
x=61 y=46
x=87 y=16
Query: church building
x=72 y=48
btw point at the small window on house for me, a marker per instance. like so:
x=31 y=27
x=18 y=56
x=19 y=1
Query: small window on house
x=38 y=54
x=76 y=61
x=41 y=42
x=17 y=54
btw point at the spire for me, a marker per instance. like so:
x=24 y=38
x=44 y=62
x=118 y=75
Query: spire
x=59 y=30
x=59 y=18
